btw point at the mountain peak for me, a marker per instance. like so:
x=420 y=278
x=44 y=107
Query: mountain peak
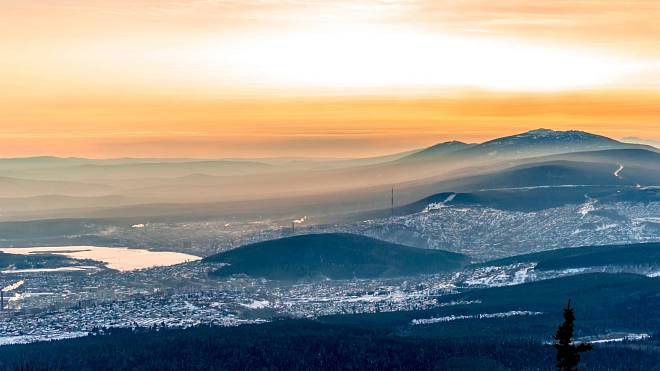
x=542 y=135
x=440 y=149
x=449 y=144
x=537 y=142
x=541 y=131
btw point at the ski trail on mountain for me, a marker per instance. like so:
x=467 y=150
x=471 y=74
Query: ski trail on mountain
x=618 y=171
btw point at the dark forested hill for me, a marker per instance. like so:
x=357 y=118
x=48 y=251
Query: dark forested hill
x=589 y=256
x=334 y=256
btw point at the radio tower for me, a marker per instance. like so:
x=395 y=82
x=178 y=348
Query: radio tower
x=392 y=202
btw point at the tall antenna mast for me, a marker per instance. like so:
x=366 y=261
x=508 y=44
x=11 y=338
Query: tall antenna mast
x=392 y=203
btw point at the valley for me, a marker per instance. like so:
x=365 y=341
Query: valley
x=491 y=248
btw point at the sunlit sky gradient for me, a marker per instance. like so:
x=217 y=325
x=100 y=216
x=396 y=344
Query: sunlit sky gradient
x=254 y=78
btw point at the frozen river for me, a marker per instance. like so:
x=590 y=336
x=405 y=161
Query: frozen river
x=119 y=258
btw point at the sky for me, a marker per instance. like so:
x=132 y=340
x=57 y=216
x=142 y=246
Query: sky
x=312 y=78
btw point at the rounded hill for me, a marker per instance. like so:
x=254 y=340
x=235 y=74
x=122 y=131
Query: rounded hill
x=333 y=256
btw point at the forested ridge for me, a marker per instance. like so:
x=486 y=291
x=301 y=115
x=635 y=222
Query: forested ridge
x=305 y=345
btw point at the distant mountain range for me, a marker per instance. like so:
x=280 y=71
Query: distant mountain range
x=539 y=142
x=17 y=187
x=440 y=149
x=333 y=256
x=33 y=188
x=550 y=181
x=637 y=140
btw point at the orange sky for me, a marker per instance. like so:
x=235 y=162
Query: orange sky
x=253 y=78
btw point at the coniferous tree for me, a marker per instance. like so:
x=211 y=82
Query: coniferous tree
x=568 y=353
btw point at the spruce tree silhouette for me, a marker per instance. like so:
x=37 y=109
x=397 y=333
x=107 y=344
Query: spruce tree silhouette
x=568 y=353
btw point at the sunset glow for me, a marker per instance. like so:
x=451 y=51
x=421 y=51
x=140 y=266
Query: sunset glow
x=220 y=78
x=346 y=56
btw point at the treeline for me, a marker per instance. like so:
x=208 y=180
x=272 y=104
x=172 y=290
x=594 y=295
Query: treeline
x=304 y=345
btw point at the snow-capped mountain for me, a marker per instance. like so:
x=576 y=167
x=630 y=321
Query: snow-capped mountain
x=539 y=136
x=546 y=141
x=539 y=142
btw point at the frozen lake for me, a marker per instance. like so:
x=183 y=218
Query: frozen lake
x=119 y=258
